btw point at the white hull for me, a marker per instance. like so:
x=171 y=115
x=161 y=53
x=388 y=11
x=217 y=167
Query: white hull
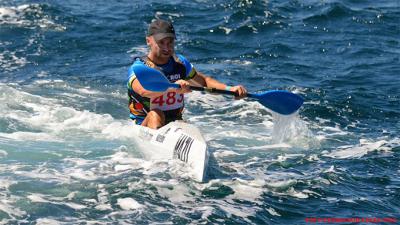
x=177 y=140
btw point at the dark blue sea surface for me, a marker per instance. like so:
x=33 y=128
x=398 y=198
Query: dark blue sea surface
x=66 y=156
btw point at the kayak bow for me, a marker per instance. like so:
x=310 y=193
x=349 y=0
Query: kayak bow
x=176 y=140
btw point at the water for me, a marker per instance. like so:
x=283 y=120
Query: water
x=66 y=158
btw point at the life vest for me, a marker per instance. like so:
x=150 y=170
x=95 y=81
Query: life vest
x=171 y=103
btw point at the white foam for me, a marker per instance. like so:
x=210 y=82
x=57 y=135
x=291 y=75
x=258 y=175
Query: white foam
x=41 y=82
x=281 y=183
x=7 y=206
x=124 y=157
x=178 y=193
x=225 y=29
x=5 y=183
x=30 y=136
x=170 y=15
x=3 y=153
x=9 y=61
x=314 y=157
x=83 y=174
x=330 y=170
x=119 y=168
x=47 y=221
x=19 y=16
x=272 y=212
x=246 y=191
x=238 y=62
x=129 y=204
x=270 y=146
x=88 y=91
x=332 y=200
x=297 y=194
x=44 y=173
x=37 y=198
x=221 y=154
x=71 y=195
x=55 y=122
x=104 y=207
x=118 y=130
x=311 y=193
x=233 y=209
x=207 y=211
x=358 y=151
x=75 y=205
x=285 y=157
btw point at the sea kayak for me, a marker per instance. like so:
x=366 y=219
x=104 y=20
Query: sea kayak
x=177 y=140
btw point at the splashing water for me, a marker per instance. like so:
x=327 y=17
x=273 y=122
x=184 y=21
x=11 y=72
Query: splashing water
x=293 y=130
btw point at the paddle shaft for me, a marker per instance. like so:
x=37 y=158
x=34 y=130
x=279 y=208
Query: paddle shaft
x=213 y=90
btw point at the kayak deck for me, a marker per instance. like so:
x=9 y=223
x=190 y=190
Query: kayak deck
x=177 y=140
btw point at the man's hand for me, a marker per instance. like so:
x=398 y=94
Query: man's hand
x=240 y=90
x=185 y=87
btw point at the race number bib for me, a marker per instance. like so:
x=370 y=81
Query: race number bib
x=168 y=101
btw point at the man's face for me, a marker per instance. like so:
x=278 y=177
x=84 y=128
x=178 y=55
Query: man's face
x=163 y=48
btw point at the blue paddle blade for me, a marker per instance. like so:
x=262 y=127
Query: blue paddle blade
x=282 y=102
x=152 y=79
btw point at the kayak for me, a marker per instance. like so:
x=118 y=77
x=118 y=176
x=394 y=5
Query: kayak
x=177 y=140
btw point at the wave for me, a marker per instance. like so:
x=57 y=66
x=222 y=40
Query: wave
x=11 y=60
x=365 y=147
x=32 y=16
x=45 y=118
x=19 y=48
x=330 y=12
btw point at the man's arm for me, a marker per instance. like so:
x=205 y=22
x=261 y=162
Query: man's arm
x=137 y=87
x=201 y=80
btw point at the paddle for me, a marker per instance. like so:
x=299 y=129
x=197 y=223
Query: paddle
x=282 y=102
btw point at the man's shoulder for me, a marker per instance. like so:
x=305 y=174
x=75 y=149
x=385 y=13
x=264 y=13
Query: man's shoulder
x=181 y=58
x=190 y=70
x=137 y=62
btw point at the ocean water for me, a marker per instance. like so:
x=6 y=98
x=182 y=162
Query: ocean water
x=66 y=156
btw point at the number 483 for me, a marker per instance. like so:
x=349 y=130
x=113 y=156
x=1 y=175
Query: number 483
x=169 y=99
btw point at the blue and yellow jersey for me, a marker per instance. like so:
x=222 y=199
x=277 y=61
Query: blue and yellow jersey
x=171 y=103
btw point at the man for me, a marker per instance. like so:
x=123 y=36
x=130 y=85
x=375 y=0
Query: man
x=155 y=109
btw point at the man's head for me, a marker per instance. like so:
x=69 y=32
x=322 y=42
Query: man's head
x=160 y=29
x=161 y=40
